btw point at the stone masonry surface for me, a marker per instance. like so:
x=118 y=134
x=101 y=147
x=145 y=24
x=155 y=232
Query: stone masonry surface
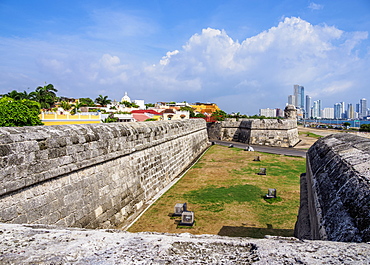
x=35 y=244
x=270 y=132
x=337 y=184
x=94 y=175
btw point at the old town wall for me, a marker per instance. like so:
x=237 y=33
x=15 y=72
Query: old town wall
x=335 y=191
x=92 y=176
x=45 y=244
x=271 y=132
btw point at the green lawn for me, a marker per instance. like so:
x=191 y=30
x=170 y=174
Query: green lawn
x=310 y=134
x=227 y=196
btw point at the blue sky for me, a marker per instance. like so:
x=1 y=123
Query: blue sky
x=242 y=55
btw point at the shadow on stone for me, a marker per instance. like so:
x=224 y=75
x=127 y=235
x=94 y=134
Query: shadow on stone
x=254 y=232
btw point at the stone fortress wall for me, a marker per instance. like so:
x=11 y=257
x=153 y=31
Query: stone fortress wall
x=270 y=132
x=92 y=176
x=335 y=191
x=97 y=176
x=43 y=244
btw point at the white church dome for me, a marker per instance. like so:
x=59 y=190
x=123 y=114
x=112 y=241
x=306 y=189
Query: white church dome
x=126 y=98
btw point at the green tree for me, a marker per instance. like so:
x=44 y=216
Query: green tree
x=12 y=94
x=19 y=95
x=104 y=101
x=219 y=115
x=200 y=115
x=149 y=105
x=364 y=128
x=235 y=115
x=15 y=113
x=86 y=102
x=190 y=109
x=45 y=95
x=75 y=108
x=346 y=124
x=110 y=119
x=129 y=104
x=65 y=105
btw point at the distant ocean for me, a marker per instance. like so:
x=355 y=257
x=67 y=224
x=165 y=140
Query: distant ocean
x=354 y=123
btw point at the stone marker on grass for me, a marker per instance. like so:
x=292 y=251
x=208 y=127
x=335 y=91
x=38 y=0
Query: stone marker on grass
x=187 y=218
x=262 y=171
x=179 y=209
x=271 y=193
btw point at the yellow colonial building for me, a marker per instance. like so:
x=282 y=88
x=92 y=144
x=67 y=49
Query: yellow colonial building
x=53 y=118
x=208 y=108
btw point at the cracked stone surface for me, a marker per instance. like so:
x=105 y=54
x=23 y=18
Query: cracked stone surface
x=337 y=190
x=41 y=244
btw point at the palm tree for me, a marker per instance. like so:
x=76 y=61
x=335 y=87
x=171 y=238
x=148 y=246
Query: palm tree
x=65 y=105
x=75 y=108
x=18 y=95
x=129 y=104
x=26 y=95
x=103 y=101
x=14 y=95
x=86 y=102
x=45 y=96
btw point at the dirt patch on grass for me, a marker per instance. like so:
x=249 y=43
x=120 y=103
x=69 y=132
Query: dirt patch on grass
x=225 y=192
x=309 y=135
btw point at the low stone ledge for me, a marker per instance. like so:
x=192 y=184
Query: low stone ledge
x=40 y=244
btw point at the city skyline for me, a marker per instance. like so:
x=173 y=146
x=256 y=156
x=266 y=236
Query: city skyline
x=341 y=110
x=232 y=53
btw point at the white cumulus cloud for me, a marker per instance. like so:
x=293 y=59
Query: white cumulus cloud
x=314 y=6
x=262 y=69
x=241 y=76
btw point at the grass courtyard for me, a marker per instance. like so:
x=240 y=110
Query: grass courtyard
x=227 y=196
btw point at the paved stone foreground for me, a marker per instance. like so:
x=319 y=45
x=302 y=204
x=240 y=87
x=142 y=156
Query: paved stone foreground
x=41 y=244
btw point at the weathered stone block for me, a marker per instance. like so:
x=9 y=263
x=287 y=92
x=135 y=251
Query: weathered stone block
x=8 y=214
x=94 y=175
x=255 y=131
x=338 y=189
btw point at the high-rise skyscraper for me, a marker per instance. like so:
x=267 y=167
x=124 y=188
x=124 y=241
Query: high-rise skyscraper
x=308 y=107
x=291 y=100
x=363 y=108
x=316 y=111
x=279 y=113
x=302 y=97
x=343 y=110
x=350 y=112
x=327 y=113
x=337 y=111
x=299 y=96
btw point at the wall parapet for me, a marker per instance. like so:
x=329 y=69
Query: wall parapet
x=337 y=183
x=91 y=175
x=271 y=132
x=261 y=124
x=36 y=244
x=48 y=152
